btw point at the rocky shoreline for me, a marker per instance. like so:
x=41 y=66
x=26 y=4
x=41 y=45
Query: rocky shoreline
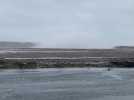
x=61 y=58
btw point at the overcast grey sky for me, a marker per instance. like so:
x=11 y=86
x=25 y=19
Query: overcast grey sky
x=68 y=23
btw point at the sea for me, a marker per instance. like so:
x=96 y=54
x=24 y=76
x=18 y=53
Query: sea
x=67 y=84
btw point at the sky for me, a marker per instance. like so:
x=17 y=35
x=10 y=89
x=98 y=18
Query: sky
x=68 y=23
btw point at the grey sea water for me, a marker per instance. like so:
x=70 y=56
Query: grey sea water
x=67 y=84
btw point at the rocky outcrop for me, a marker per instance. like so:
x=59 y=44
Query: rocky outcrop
x=61 y=63
x=48 y=58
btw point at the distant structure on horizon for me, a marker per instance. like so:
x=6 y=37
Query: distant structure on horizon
x=4 y=44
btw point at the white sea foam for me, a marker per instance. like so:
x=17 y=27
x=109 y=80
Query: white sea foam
x=112 y=74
